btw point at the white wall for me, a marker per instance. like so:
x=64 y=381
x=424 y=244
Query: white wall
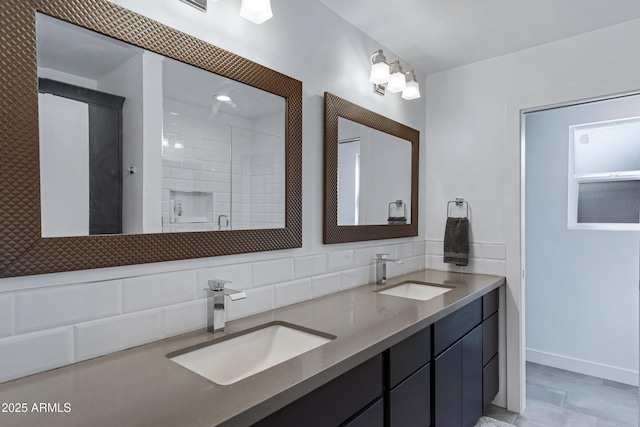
x=64 y=166
x=126 y=81
x=582 y=293
x=473 y=148
x=69 y=317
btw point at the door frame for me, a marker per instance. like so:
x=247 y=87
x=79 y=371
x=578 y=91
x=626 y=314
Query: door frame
x=515 y=108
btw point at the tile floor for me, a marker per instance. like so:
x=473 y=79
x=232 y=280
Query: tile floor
x=558 y=398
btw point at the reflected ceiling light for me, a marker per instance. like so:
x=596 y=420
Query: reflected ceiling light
x=412 y=91
x=397 y=82
x=256 y=11
x=223 y=98
x=178 y=145
x=379 y=68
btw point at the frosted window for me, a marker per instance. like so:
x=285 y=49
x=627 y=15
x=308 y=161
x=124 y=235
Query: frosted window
x=609 y=202
x=607 y=147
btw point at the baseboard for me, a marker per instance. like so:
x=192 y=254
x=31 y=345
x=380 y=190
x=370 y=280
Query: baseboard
x=585 y=367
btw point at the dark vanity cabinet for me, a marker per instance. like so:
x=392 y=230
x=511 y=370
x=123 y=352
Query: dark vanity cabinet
x=353 y=399
x=466 y=363
x=409 y=389
x=444 y=375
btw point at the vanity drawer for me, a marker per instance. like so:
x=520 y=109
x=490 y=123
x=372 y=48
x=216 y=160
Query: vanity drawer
x=489 y=338
x=490 y=382
x=335 y=402
x=410 y=402
x=409 y=355
x=490 y=303
x=453 y=327
x=373 y=416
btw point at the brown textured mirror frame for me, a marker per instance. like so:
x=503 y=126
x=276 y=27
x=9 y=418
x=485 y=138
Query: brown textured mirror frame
x=22 y=250
x=335 y=107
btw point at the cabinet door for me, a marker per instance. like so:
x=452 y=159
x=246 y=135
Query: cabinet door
x=371 y=417
x=448 y=387
x=410 y=402
x=335 y=402
x=472 y=377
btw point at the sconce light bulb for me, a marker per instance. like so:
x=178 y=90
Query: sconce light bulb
x=397 y=82
x=256 y=11
x=379 y=68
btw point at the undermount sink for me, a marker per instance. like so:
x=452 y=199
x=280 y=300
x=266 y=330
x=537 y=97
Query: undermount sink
x=238 y=356
x=416 y=290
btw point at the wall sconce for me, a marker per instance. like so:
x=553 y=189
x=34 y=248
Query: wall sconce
x=385 y=76
x=256 y=11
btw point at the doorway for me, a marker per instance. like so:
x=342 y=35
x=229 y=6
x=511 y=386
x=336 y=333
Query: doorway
x=582 y=294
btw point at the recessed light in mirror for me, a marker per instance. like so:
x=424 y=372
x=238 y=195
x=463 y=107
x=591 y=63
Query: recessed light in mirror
x=178 y=145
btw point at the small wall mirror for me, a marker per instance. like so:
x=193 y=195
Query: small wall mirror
x=371 y=175
x=127 y=142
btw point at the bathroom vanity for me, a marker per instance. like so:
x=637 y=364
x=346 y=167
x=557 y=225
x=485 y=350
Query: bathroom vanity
x=394 y=361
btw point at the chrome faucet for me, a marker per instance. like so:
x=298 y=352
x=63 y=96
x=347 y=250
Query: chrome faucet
x=381 y=267
x=216 y=309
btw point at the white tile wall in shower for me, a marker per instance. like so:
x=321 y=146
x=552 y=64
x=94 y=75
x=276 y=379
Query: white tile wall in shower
x=292 y=292
x=272 y=271
x=100 y=337
x=185 y=317
x=66 y=305
x=308 y=266
x=23 y=354
x=140 y=293
x=6 y=315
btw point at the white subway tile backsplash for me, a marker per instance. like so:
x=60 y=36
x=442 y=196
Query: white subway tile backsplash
x=490 y=251
x=257 y=301
x=310 y=266
x=100 y=337
x=435 y=247
x=273 y=271
x=356 y=277
x=185 y=317
x=414 y=264
x=141 y=293
x=365 y=256
x=475 y=250
x=341 y=260
x=420 y=248
x=404 y=250
x=35 y=352
x=324 y=285
x=489 y=266
x=6 y=315
x=66 y=305
x=292 y=292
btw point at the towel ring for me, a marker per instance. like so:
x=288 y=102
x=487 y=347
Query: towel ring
x=458 y=202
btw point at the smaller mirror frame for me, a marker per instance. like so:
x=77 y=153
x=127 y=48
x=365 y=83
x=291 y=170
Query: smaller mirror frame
x=335 y=107
x=22 y=249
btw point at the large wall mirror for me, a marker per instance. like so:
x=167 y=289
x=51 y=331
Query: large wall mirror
x=371 y=175
x=127 y=142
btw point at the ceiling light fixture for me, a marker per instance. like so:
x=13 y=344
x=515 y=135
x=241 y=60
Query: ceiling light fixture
x=385 y=76
x=223 y=98
x=256 y=11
